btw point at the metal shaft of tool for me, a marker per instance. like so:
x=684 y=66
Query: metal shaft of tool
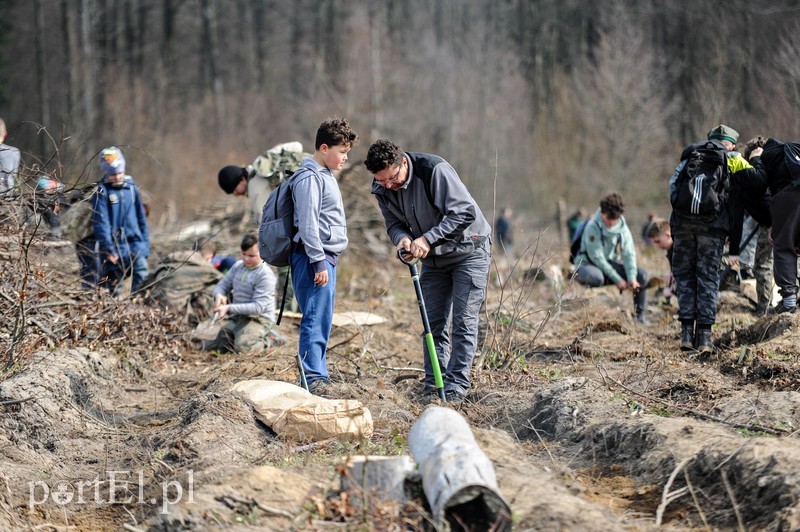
x=302 y=372
x=437 y=371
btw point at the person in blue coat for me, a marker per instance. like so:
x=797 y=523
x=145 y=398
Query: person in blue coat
x=120 y=225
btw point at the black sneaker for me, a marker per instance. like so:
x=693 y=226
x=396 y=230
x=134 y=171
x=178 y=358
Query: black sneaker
x=320 y=388
x=780 y=308
x=454 y=397
x=687 y=337
x=429 y=395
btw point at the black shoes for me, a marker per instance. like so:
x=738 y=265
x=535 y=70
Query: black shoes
x=699 y=339
x=687 y=337
x=782 y=309
x=452 y=396
x=704 y=343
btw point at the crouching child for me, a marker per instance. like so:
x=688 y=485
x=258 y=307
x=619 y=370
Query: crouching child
x=607 y=254
x=245 y=298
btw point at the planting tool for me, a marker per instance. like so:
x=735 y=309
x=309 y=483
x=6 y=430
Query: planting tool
x=437 y=371
x=205 y=330
x=303 y=381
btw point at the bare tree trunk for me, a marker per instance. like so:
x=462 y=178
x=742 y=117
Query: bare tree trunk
x=41 y=71
x=376 y=70
x=163 y=68
x=129 y=39
x=258 y=19
x=209 y=45
x=88 y=75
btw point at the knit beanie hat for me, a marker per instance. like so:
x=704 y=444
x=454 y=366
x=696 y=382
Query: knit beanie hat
x=723 y=132
x=112 y=162
x=230 y=177
x=46 y=184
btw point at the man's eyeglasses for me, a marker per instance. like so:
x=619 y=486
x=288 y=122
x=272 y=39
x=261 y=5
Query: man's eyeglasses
x=392 y=178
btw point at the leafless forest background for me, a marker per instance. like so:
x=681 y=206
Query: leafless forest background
x=531 y=100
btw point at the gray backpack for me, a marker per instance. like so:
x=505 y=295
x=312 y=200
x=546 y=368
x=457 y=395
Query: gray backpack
x=277 y=230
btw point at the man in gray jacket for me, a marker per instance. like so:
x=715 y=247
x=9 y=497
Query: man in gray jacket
x=430 y=214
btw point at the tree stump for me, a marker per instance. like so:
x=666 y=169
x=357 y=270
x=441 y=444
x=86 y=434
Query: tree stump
x=381 y=476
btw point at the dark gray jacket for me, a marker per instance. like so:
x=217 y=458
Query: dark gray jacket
x=435 y=203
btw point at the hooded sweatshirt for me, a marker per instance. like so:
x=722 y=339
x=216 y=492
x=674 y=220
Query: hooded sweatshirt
x=601 y=245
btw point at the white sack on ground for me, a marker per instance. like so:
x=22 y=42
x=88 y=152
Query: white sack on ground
x=297 y=415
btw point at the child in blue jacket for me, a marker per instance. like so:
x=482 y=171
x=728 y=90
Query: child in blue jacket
x=120 y=225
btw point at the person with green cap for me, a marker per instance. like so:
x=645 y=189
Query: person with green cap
x=699 y=235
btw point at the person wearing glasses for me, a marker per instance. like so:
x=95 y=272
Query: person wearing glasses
x=430 y=215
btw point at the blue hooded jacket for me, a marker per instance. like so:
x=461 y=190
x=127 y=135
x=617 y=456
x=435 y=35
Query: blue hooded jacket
x=120 y=224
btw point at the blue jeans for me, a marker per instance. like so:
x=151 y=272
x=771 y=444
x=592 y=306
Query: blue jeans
x=316 y=304
x=453 y=295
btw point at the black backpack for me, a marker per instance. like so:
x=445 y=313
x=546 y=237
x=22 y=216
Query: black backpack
x=575 y=245
x=792 y=152
x=702 y=184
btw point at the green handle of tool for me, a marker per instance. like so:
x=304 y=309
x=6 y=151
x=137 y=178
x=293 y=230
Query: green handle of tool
x=437 y=371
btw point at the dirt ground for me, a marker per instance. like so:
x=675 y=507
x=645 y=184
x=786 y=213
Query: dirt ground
x=115 y=420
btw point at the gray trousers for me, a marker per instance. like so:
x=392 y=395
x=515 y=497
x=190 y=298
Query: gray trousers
x=453 y=297
x=762 y=269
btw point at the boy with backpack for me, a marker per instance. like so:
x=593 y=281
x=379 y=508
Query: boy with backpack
x=606 y=254
x=246 y=296
x=120 y=225
x=321 y=237
x=700 y=222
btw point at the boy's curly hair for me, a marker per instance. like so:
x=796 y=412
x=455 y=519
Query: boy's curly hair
x=335 y=132
x=755 y=142
x=382 y=154
x=613 y=205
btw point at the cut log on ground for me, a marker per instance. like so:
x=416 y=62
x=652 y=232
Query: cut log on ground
x=457 y=477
